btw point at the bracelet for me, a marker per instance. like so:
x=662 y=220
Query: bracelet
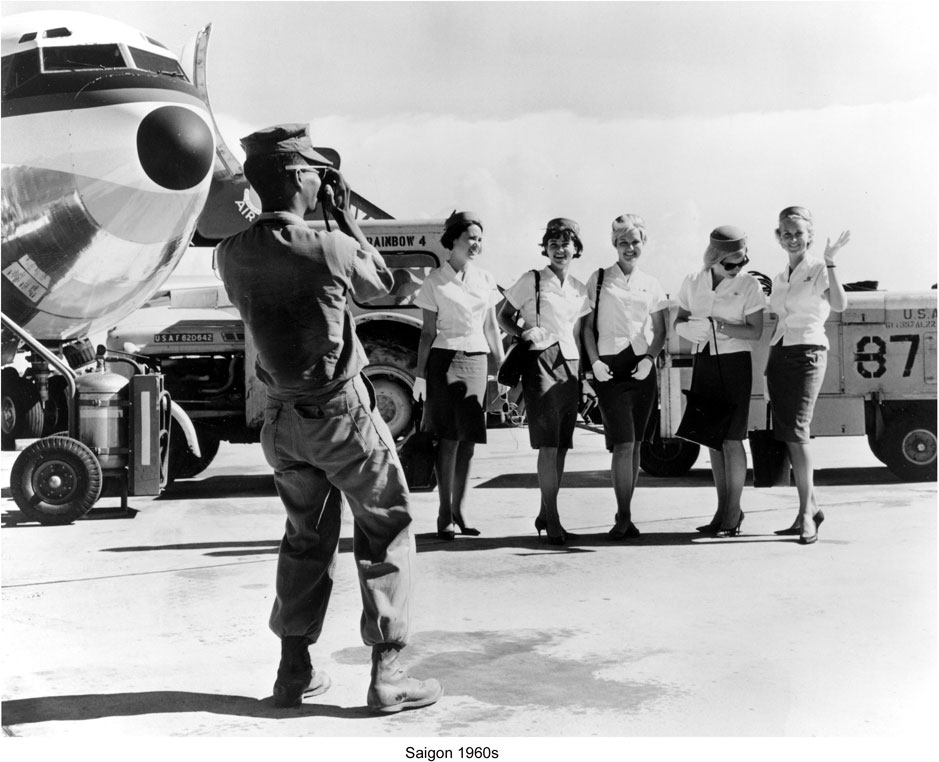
x=831 y=267
x=647 y=355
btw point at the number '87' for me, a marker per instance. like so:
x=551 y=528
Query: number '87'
x=864 y=354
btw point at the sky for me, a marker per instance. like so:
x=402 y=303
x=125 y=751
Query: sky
x=692 y=115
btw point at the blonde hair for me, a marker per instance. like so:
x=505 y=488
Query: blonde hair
x=626 y=222
x=798 y=213
x=713 y=255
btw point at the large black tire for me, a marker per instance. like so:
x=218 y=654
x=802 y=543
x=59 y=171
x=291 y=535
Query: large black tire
x=876 y=448
x=56 y=480
x=23 y=417
x=183 y=464
x=393 y=397
x=908 y=447
x=391 y=371
x=667 y=457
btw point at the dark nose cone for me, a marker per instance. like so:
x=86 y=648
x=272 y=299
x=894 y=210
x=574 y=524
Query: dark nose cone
x=175 y=147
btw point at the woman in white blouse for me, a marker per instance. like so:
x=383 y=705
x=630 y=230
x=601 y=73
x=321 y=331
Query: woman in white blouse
x=623 y=334
x=458 y=301
x=803 y=296
x=720 y=311
x=545 y=308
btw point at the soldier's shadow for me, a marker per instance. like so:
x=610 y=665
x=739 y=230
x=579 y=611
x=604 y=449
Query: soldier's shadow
x=93 y=706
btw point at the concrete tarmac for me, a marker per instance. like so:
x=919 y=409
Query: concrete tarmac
x=155 y=623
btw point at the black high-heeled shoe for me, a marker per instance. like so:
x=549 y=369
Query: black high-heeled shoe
x=469 y=531
x=541 y=524
x=555 y=539
x=733 y=532
x=627 y=531
x=805 y=539
x=445 y=531
x=708 y=528
x=796 y=529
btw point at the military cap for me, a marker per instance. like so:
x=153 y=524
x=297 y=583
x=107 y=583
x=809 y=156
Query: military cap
x=283 y=138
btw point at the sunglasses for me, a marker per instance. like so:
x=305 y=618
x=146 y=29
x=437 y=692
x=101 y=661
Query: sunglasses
x=736 y=265
x=319 y=169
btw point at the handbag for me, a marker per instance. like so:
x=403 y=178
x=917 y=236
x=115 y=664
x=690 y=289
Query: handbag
x=418 y=455
x=706 y=417
x=771 y=466
x=510 y=372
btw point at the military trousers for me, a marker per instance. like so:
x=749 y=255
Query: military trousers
x=324 y=449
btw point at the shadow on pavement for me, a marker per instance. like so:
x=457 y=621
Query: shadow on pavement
x=15 y=518
x=581 y=543
x=216 y=549
x=696 y=477
x=254 y=485
x=93 y=706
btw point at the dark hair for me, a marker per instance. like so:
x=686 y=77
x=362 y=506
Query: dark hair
x=456 y=225
x=267 y=174
x=578 y=246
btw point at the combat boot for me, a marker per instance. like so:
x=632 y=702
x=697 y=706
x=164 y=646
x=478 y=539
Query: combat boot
x=296 y=678
x=391 y=690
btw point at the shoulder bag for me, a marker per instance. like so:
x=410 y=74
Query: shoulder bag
x=510 y=372
x=770 y=456
x=418 y=454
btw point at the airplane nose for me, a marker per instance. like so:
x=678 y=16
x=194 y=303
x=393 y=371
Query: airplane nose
x=175 y=147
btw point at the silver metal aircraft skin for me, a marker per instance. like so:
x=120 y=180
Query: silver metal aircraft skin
x=107 y=160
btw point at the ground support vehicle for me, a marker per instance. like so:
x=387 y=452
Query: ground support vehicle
x=880 y=382
x=197 y=340
x=115 y=440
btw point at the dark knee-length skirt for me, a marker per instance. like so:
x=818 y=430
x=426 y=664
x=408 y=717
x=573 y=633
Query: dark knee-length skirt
x=552 y=391
x=625 y=403
x=731 y=382
x=794 y=376
x=456 y=391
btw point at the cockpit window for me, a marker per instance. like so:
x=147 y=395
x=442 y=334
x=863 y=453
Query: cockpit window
x=157 y=63
x=19 y=68
x=78 y=57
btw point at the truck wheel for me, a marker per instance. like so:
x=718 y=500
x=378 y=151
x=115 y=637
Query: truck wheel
x=182 y=463
x=908 y=447
x=393 y=396
x=875 y=446
x=23 y=417
x=667 y=457
x=55 y=480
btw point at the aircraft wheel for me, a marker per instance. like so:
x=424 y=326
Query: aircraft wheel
x=56 y=480
x=908 y=447
x=23 y=417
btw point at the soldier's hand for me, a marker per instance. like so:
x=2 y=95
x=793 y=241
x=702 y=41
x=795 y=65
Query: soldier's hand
x=335 y=192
